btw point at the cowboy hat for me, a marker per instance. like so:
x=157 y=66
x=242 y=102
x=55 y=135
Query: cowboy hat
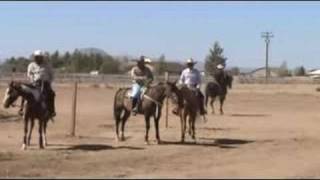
x=220 y=66
x=38 y=53
x=190 y=61
x=147 y=60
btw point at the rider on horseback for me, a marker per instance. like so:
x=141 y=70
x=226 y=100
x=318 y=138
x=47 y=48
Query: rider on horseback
x=40 y=75
x=142 y=78
x=191 y=77
x=219 y=73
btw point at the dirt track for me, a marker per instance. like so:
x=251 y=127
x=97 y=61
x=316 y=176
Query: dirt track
x=267 y=132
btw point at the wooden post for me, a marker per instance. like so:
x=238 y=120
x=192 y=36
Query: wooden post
x=74 y=109
x=166 y=76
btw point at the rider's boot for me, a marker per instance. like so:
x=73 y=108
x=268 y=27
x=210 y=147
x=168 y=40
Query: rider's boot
x=134 y=106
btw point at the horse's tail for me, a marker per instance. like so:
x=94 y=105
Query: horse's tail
x=116 y=108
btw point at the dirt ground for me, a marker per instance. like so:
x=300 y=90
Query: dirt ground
x=268 y=131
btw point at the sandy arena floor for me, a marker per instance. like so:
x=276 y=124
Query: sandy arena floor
x=268 y=131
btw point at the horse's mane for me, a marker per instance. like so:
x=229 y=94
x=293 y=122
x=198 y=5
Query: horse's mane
x=20 y=83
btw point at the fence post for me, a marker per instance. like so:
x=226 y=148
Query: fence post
x=166 y=76
x=74 y=109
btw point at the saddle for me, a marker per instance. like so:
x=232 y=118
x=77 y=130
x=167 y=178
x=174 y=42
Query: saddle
x=128 y=95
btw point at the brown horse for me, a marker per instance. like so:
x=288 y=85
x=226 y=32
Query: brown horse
x=150 y=106
x=35 y=108
x=188 y=109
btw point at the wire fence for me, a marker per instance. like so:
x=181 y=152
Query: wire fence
x=124 y=80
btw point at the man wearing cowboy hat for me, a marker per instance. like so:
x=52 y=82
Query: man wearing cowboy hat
x=219 y=73
x=40 y=74
x=192 y=78
x=142 y=77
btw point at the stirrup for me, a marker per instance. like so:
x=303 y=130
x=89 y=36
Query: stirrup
x=134 y=112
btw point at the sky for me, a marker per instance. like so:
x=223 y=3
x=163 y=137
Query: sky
x=179 y=30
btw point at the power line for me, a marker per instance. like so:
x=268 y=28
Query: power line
x=267 y=36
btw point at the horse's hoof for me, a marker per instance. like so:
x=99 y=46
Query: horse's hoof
x=23 y=147
x=159 y=142
x=146 y=143
x=117 y=139
x=41 y=146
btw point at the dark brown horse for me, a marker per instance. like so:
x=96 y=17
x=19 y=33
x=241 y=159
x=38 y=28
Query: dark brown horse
x=218 y=88
x=188 y=110
x=150 y=106
x=34 y=108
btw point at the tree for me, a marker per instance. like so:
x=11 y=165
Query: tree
x=235 y=71
x=283 y=70
x=110 y=66
x=214 y=58
x=300 y=71
x=57 y=61
x=161 y=66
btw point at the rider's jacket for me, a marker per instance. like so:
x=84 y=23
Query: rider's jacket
x=40 y=72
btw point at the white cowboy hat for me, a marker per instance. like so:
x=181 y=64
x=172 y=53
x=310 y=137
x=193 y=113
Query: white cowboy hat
x=220 y=66
x=190 y=61
x=38 y=53
x=147 y=60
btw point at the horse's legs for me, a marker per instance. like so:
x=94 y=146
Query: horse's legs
x=30 y=131
x=212 y=104
x=40 y=134
x=206 y=99
x=156 y=124
x=123 y=123
x=183 y=118
x=45 y=122
x=147 y=121
x=222 y=98
x=25 y=120
x=190 y=125
x=118 y=120
x=193 y=120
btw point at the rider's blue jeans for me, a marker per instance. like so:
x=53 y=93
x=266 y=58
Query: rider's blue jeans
x=136 y=91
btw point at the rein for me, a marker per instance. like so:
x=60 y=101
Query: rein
x=152 y=100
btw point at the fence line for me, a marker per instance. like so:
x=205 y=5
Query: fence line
x=124 y=80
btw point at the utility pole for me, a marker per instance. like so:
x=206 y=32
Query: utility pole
x=267 y=36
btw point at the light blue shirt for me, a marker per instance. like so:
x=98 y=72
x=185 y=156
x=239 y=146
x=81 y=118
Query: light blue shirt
x=190 y=77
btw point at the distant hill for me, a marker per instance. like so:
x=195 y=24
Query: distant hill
x=92 y=50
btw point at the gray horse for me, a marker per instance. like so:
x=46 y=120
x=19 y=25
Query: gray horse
x=150 y=106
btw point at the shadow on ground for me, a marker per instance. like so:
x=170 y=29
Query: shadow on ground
x=250 y=115
x=207 y=142
x=91 y=147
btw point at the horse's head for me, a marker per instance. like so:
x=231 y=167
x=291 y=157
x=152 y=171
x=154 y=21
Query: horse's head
x=11 y=94
x=171 y=88
x=229 y=80
x=173 y=92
